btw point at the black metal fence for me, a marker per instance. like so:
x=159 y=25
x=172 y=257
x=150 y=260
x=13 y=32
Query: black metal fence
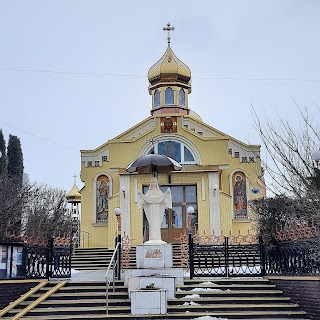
x=23 y=261
x=293 y=258
x=231 y=260
x=225 y=259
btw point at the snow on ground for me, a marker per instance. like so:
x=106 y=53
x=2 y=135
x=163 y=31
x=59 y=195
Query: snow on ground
x=207 y=283
x=74 y=271
x=205 y=289
x=192 y=296
x=191 y=303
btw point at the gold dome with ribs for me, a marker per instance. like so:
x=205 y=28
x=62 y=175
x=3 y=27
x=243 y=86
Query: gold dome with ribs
x=74 y=195
x=169 y=69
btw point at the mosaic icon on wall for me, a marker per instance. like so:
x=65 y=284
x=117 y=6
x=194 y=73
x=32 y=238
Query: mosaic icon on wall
x=168 y=124
x=103 y=194
x=240 y=202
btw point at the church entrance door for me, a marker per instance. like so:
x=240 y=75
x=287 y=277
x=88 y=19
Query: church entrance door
x=175 y=220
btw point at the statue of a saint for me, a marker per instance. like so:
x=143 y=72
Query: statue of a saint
x=154 y=203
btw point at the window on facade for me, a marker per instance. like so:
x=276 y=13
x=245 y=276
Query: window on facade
x=188 y=155
x=156 y=98
x=244 y=159
x=170 y=149
x=104 y=158
x=89 y=163
x=96 y=163
x=175 y=150
x=169 y=96
x=251 y=159
x=236 y=154
x=182 y=98
x=230 y=151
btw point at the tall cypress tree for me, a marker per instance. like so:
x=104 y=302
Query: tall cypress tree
x=15 y=159
x=3 y=157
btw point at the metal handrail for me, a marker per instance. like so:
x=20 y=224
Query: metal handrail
x=112 y=263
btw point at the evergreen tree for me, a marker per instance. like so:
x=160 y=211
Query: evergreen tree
x=15 y=159
x=3 y=157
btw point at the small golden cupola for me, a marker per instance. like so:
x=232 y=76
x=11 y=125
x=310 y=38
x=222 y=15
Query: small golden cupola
x=74 y=196
x=170 y=82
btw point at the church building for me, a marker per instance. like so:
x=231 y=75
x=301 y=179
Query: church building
x=219 y=174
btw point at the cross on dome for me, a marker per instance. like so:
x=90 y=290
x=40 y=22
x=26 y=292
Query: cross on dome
x=168 y=28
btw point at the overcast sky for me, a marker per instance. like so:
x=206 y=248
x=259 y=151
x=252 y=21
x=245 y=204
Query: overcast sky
x=73 y=74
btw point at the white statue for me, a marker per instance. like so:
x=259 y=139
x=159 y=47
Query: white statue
x=154 y=203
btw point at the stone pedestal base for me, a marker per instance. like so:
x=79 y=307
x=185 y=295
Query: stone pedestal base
x=156 y=256
x=161 y=282
x=154 y=266
x=148 y=301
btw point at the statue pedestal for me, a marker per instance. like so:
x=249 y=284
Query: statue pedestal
x=154 y=256
x=154 y=267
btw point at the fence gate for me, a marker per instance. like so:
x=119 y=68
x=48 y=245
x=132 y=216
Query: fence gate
x=225 y=259
x=51 y=261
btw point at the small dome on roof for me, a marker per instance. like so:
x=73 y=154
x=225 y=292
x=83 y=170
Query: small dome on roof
x=195 y=115
x=74 y=195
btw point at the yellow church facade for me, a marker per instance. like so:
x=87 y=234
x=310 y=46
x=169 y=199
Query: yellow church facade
x=218 y=178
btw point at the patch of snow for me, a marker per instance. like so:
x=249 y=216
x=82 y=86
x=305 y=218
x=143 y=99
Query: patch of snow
x=191 y=303
x=205 y=289
x=74 y=271
x=206 y=283
x=192 y=296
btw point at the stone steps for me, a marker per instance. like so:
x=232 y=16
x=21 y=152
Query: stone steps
x=226 y=298
x=99 y=258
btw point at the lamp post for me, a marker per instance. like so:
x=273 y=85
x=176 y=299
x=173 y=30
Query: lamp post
x=190 y=211
x=117 y=212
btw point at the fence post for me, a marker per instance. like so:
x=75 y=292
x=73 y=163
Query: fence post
x=262 y=256
x=191 y=255
x=49 y=257
x=226 y=255
x=119 y=257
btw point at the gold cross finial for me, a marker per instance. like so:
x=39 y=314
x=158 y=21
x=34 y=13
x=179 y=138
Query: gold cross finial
x=168 y=28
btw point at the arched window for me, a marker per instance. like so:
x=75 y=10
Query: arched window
x=175 y=150
x=156 y=98
x=169 y=97
x=182 y=98
x=240 y=199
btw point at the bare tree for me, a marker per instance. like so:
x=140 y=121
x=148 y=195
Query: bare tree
x=46 y=211
x=293 y=178
x=289 y=166
x=32 y=209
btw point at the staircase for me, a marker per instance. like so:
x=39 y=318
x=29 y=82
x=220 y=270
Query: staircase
x=99 y=258
x=242 y=298
x=96 y=258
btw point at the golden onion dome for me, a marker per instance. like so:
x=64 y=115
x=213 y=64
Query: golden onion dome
x=169 y=69
x=74 y=195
